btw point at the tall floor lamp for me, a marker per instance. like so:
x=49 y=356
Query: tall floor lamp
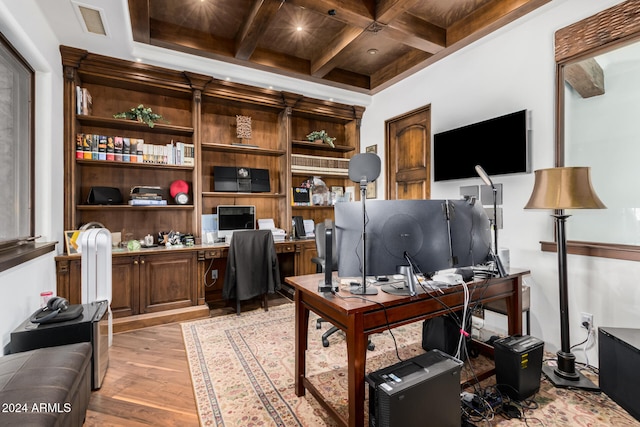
x=364 y=168
x=559 y=189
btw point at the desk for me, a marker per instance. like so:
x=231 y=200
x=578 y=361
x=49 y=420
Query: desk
x=358 y=319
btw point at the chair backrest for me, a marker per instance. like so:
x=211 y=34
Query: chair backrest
x=320 y=245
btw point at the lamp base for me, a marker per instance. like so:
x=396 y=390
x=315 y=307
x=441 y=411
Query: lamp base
x=565 y=374
x=359 y=290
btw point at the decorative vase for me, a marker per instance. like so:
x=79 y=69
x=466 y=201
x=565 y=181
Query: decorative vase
x=319 y=192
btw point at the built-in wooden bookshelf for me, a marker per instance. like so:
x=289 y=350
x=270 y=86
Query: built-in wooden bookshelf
x=199 y=110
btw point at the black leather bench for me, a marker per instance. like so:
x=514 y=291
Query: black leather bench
x=46 y=387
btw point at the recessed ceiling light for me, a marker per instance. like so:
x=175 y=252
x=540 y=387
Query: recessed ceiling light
x=298 y=28
x=228 y=79
x=372 y=51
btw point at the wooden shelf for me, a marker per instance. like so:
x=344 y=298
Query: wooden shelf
x=321 y=147
x=129 y=207
x=239 y=149
x=312 y=207
x=110 y=163
x=132 y=125
x=320 y=174
x=236 y=195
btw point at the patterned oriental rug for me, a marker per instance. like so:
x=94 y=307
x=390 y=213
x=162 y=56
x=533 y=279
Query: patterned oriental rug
x=242 y=374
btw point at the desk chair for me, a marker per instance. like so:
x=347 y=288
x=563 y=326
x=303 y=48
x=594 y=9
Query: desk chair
x=252 y=267
x=319 y=261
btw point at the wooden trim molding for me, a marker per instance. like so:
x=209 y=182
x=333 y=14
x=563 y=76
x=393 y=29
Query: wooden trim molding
x=610 y=28
x=23 y=253
x=602 y=250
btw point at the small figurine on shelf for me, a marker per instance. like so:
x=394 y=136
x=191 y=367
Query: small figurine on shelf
x=321 y=136
x=140 y=114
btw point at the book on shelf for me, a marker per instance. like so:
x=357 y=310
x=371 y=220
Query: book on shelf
x=146 y=196
x=144 y=202
x=79 y=146
x=110 y=149
x=78 y=100
x=102 y=147
x=133 y=150
x=139 y=150
x=117 y=148
x=126 y=149
x=87 y=141
x=189 y=155
x=95 y=143
x=87 y=102
x=317 y=165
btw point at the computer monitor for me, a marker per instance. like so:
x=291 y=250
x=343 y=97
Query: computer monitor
x=436 y=234
x=235 y=217
x=470 y=233
x=417 y=227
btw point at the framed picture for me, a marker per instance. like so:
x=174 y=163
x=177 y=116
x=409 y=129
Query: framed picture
x=372 y=187
x=72 y=241
x=338 y=190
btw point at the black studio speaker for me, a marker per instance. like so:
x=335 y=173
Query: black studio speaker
x=260 y=181
x=619 y=360
x=225 y=178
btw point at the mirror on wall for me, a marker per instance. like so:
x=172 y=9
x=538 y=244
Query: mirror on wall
x=598 y=125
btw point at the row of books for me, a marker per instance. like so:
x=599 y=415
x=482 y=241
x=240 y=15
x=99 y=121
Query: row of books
x=84 y=101
x=133 y=150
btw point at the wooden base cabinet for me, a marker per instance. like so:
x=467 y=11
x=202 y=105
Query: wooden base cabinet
x=141 y=283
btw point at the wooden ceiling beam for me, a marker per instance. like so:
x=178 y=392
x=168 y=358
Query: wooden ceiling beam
x=359 y=13
x=417 y=33
x=328 y=57
x=262 y=14
x=388 y=10
x=140 y=27
x=489 y=17
x=398 y=67
x=585 y=77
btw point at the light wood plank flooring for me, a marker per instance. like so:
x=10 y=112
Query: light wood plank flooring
x=148 y=381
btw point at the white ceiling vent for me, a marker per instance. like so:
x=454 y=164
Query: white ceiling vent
x=91 y=18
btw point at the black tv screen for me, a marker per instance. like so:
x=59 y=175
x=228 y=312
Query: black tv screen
x=500 y=145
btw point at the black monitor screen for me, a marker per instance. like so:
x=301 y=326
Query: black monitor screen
x=235 y=217
x=436 y=234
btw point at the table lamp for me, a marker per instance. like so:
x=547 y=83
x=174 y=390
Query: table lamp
x=564 y=188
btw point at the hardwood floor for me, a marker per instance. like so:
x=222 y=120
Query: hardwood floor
x=148 y=380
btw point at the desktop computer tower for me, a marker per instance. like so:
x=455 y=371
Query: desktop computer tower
x=443 y=333
x=518 y=361
x=407 y=394
x=619 y=360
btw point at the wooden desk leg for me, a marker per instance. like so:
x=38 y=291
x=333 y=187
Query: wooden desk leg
x=356 y=359
x=302 y=329
x=514 y=307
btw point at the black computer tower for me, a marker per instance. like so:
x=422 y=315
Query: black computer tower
x=407 y=394
x=443 y=333
x=518 y=361
x=619 y=360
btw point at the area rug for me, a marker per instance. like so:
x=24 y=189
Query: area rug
x=242 y=372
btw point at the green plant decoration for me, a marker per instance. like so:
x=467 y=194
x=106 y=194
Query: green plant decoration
x=321 y=135
x=140 y=114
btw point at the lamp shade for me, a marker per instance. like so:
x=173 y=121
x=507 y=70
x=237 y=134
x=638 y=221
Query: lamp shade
x=364 y=166
x=564 y=188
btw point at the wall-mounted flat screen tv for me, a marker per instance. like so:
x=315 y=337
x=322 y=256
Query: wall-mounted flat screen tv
x=500 y=145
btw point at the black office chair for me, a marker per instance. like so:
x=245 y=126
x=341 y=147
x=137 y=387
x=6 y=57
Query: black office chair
x=319 y=261
x=252 y=267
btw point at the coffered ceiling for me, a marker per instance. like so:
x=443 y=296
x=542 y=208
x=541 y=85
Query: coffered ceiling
x=360 y=45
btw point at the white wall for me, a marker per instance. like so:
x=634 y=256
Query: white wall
x=23 y=25
x=510 y=70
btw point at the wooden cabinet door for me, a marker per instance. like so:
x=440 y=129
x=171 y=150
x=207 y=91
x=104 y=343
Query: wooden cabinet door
x=409 y=155
x=168 y=281
x=307 y=250
x=125 y=285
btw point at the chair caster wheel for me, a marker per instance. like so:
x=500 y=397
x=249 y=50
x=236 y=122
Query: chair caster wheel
x=371 y=346
x=318 y=324
x=325 y=342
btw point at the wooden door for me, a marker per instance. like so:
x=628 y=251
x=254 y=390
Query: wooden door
x=409 y=155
